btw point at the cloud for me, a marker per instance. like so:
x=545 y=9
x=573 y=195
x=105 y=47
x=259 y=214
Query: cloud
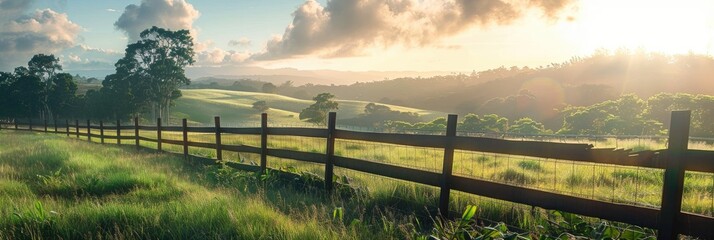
x=242 y=42
x=171 y=14
x=348 y=27
x=111 y=10
x=83 y=57
x=217 y=57
x=23 y=35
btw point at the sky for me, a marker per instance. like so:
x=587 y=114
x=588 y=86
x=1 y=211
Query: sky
x=356 y=35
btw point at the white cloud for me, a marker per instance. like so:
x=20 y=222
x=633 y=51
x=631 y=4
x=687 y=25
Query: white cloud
x=171 y=14
x=111 y=10
x=22 y=36
x=348 y=27
x=242 y=42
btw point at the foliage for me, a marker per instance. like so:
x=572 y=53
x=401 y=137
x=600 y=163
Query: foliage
x=317 y=112
x=150 y=73
x=260 y=106
x=376 y=115
x=269 y=88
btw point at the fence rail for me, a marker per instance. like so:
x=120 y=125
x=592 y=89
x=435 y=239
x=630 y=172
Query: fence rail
x=669 y=220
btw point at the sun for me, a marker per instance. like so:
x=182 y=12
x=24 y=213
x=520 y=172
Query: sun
x=669 y=27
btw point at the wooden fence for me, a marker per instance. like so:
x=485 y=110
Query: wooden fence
x=676 y=159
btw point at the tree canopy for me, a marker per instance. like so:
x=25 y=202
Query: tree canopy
x=317 y=112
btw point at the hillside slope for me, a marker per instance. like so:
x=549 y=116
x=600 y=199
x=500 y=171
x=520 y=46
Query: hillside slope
x=201 y=105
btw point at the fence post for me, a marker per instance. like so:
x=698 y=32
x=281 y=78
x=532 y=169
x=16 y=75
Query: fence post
x=118 y=132
x=158 y=134
x=219 y=152
x=136 y=132
x=55 y=122
x=45 y=124
x=674 y=175
x=330 y=150
x=448 y=166
x=101 y=131
x=66 y=125
x=184 y=124
x=76 y=127
x=29 y=120
x=263 y=142
x=89 y=131
x=15 y=122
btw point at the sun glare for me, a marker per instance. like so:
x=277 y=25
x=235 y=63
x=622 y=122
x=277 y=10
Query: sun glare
x=660 y=26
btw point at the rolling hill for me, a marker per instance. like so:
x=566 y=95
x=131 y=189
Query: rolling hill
x=201 y=105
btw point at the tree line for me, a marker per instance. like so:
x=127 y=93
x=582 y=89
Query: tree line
x=626 y=115
x=145 y=83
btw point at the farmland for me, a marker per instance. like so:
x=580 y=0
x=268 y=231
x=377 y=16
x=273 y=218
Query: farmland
x=201 y=105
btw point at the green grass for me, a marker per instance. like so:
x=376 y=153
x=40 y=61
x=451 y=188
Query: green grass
x=404 y=205
x=55 y=187
x=201 y=105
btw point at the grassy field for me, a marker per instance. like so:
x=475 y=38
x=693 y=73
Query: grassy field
x=387 y=208
x=55 y=187
x=201 y=105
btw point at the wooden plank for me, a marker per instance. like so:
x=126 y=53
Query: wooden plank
x=101 y=131
x=301 y=132
x=447 y=166
x=297 y=155
x=174 y=142
x=263 y=142
x=564 y=151
x=386 y=170
x=126 y=137
x=89 y=131
x=158 y=134
x=696 y=225
x=415 y=140
x=330 y=150
x=172 y=129
x=241 y=148
x=673 y=186
x=202 y=129
x=699 y=160
x=217 y=122
x=136 y=132
x=147 y=139
x=640 y=216
x=184 y=134
x=147 y=128
x=201 y=145
x=251 y=131
x=118 y=130
x=76 y=127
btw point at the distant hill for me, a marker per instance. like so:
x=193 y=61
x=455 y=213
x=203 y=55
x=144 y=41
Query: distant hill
x=201 y=105
x=537 y=92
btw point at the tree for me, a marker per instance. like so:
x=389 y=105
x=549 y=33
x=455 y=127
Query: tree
x=44 y=67
x=317 y=112
x=61 y=97
x=261 y=106
x=269 y=88
x=527 y=126
x=155 y=64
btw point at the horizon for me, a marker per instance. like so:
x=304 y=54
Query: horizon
x=413 y=36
